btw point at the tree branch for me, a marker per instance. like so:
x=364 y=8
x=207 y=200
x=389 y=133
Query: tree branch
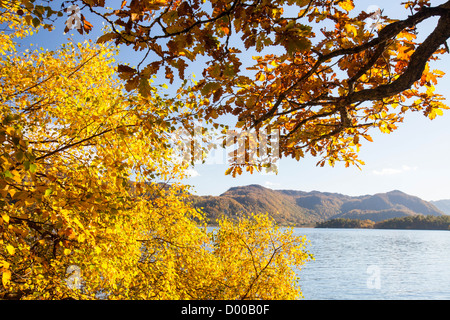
x=414 y=70
x=415 y=67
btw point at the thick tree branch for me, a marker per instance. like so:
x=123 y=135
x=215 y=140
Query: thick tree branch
x=413 y=73
x=415 y=67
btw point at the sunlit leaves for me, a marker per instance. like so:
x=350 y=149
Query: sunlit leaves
x=70 y=140
x=244 y=247
x=85 y=210
x=10 y=249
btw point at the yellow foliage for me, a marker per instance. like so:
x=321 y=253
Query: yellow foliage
x=322 y=85
x=257 y=247
x=74 y=225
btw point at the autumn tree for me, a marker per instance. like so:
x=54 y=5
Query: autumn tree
x=323 y=74
x=91 y=204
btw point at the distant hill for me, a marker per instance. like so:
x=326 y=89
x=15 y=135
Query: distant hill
x=307 y=208
x=443 y=205
x=254 y=199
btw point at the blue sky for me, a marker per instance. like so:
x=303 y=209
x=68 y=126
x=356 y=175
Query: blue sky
x=414 y=159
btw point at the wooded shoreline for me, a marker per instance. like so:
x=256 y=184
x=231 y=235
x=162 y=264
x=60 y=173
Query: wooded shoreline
x=417 y=222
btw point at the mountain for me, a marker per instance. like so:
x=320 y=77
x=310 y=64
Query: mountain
x=254 y=199
x=443 y=205
x=307 y=208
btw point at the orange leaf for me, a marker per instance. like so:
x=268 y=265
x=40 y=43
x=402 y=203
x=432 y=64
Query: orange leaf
x=368 y=138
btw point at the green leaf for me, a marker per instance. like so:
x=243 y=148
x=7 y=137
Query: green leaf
x=209 y=87
x=7 y=174
x=33 y=168
x=19 y=155
x=294 y=45
x=36 y=22
x=11 y=250
x=229 y=71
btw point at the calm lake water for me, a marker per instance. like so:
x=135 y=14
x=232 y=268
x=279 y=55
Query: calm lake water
x=355 y=264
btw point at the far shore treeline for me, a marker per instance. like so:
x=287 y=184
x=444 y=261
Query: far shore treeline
x=419 y=222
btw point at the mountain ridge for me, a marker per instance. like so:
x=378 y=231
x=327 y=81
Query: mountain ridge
x=302 y=208
x=443 y=205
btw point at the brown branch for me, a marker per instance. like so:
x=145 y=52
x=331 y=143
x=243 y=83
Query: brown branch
x=415 y=67
x=316 y=116
x=274 y=253
x=376 y=55
x=414 y=71
x=80 y=142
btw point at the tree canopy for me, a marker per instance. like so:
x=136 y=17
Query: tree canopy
x=91 y=202
x=322 y=74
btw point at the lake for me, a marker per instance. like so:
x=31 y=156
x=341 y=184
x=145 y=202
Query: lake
x=355 y=264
